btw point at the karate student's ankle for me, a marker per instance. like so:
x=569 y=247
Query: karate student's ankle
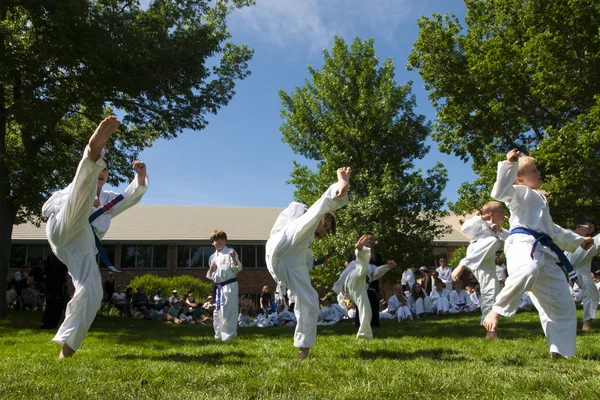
x=303 y=353
x=587 y=325
x=65 y=352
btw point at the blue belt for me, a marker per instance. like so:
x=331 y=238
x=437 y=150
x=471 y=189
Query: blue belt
x=101 y=252
x=547 y=241
x=218 y=292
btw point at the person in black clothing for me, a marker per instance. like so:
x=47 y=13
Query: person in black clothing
x=56 y=291
x=373 y=291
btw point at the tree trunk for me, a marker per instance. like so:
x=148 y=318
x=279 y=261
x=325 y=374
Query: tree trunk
x=7 y=218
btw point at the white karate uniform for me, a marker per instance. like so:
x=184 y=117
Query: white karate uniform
x=475 y=300
x=225 y=318
x=460 y=302
x=408 y=278
x=540 y=276
x=244 y=321
x=439 y=301
x=419 y=306
x=328 y=315
x=481 y=259
x=525 y=304
x=501 y=273
x=72 y=240
x=354 y=283
x=445 y=275
x=289 y=259
x=397 y=310
x=286 y=318
x=341 y=311
x=582 y=263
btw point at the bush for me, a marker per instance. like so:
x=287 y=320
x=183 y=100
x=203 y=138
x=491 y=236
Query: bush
x=184 y=284
x=457 y=255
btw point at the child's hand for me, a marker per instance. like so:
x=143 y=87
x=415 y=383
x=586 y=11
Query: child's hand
x=513 y=155
x=587 y=243
x=361 y=242
x=213 y=266
x=232 y=254
x=391 y=264
x=496 y=228
x=139 y=167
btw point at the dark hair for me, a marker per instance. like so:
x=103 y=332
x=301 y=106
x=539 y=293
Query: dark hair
x=583 y=220
x=329 y=216
x=414 y=295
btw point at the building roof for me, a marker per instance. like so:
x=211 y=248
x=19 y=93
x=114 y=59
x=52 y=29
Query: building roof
x=159 y=223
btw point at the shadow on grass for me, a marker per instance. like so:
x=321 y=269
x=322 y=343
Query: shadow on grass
x=214 y=358
x=432 y=354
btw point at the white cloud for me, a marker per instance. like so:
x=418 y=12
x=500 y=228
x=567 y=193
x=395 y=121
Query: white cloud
x=312 y=23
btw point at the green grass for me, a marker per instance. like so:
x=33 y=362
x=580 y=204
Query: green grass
x=123 y=358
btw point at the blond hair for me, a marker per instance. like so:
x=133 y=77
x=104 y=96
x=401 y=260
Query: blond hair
x=525 y=162
x=490 y=206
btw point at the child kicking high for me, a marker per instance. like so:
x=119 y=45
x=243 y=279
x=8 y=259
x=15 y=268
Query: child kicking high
x=289 y=258
x=531 y=264
x=481 y=254
x=71 y=235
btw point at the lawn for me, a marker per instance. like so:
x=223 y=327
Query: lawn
x=123 y=358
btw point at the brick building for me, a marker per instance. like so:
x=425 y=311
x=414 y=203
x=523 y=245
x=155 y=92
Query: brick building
x=173 y=240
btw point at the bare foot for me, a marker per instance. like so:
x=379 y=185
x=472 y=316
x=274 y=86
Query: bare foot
x=491 y=321
x=587 y=325
x=303 y=353
x=556 y=356
x=66 y=352
x=99 y=138
x=343 y=175
x=493 y=335
x=457 y=272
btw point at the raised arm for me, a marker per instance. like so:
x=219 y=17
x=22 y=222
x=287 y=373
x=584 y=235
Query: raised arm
x=136 y=189
x=473 y=226
x=503 y=189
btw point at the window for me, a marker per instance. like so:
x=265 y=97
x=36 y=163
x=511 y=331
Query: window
x=144 y=256
x=249 y=255
x=18 y=255
x=110 y=252
x=260 y=256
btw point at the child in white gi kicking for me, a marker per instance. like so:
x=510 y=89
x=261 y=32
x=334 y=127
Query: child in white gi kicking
x=289 y=258
x=481 y=254
x=531 y=265
x=353 y=282
x=71 y=235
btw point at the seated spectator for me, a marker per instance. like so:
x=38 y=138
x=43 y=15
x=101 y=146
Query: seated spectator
x=163 y=314
x=159 y=301
x=327 y=315
x=37 y=273
x=195 y=309
x=351 y=310
x=397 y=306
x=474 y=295
x=32 y=299
x=244 y=318
x=185 y=315
x=207 y=318
x=440 y=304
x=175 y=310
x=109 y=289
x=208 y=305
x=408 y=277
x=141 y=303
x=285 y=317
x=526 y=304
x=426 y=280
x=174 y=297
x=122 y=301
x=459 y=299
x=418 y=302
x=11 y=297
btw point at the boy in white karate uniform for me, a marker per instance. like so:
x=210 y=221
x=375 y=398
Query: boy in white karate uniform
x=353 y=282
x=290 y=260
x=481 y=254
x=445 y=273
x=459 y=299
x=582 y=261
x=534 y=271
x=328 y=315
x=224 y=267
x=71 y=235
x=439 y=298
x=397 y=306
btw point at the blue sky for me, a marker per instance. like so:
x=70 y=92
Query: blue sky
x=239 y=159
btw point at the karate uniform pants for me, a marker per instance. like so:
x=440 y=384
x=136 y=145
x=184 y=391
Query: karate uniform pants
x=549 y=292
x=70 y=231
x=590 y=294
x=225 y=319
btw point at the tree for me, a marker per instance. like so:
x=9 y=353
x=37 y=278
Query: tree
x=351 y=112
x=65 y=65
x=525 y=75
